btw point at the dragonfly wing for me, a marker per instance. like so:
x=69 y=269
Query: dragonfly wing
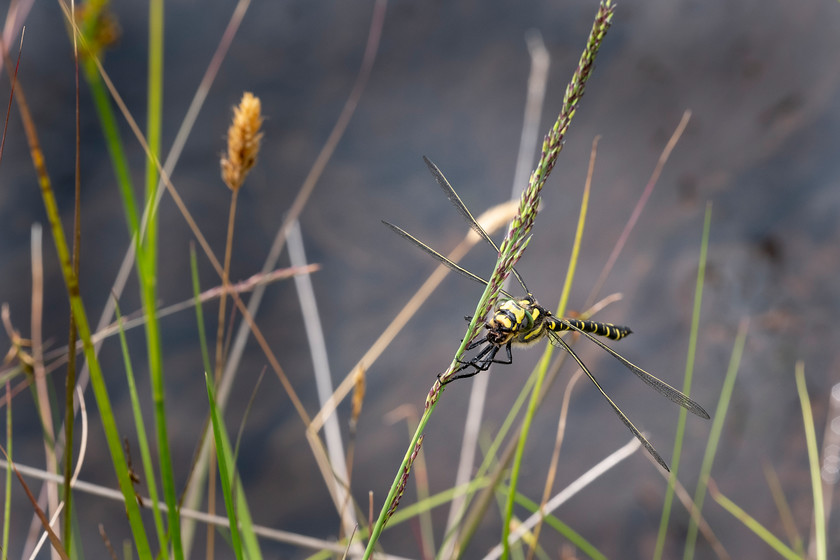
x=443 y=260
x=465 y=212
x=660 y=386
x=557 y=341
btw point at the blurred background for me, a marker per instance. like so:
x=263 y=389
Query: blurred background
x=449 y=82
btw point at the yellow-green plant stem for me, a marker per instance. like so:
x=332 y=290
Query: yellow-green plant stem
x=752 y=524
x=97 y=379
x=7 y=502
x=148 y=273
x=199 y=311
x=70 y=378
x=142 y=438
x=379 y=525
x=225 y=472
x=714 y=436
x=813 y=462
x=113 y=142
x=689 y=370
x=554 y=522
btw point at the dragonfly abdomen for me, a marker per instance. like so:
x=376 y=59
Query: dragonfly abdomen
x=607 y=330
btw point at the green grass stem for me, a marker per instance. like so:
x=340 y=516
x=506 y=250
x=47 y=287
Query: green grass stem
x=7 y=501
x=147 y=267
x=225 y=467
x=142 y=438
x=689 y=370
x=199 y=310
x=719 y=417
x=752 y=524
x=813 y=462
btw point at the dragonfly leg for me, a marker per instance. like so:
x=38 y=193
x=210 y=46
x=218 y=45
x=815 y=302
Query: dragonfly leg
x=475 y=371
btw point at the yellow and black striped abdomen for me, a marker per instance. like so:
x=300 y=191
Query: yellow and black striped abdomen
x=607 y=330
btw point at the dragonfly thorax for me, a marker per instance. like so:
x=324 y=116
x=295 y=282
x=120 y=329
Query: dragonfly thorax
x=517 y=321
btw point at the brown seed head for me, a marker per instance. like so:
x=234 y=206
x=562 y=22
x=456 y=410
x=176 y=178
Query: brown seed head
x=359 y=384
x=243 y=141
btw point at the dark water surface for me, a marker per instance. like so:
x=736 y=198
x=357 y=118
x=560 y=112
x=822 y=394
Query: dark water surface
x=762 y=82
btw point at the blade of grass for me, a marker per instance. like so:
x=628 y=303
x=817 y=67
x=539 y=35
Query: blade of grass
x=818 y=545
x=113 y=142
x=7 y=501
x=224 y=473
x=142 y=438
x=247 y=528
x=783 y=508
x=714 y=436
x=752 y=524
x=561 y=528
x=70 y=382
x=80 y=316
x=830 y=452
x=147 y=267
x=199 y=310
x=689 y=370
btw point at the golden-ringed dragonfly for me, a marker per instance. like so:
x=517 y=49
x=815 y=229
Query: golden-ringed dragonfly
x=523 y=321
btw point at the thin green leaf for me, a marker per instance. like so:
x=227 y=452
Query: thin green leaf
x=813 y=461
x=689 y=371
x=751 y=523
x=199 y=310
x=714 y=436
x=7 y=502
x=570 y=534
x=140 y=427
x=223 y=459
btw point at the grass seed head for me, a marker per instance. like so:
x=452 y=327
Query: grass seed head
x=243 y=141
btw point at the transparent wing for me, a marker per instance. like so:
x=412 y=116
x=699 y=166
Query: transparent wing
x=650 y=449
x=660 y=386
x=465 y=212
x=443 y=260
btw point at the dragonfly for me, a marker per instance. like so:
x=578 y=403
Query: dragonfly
x=523 y=321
